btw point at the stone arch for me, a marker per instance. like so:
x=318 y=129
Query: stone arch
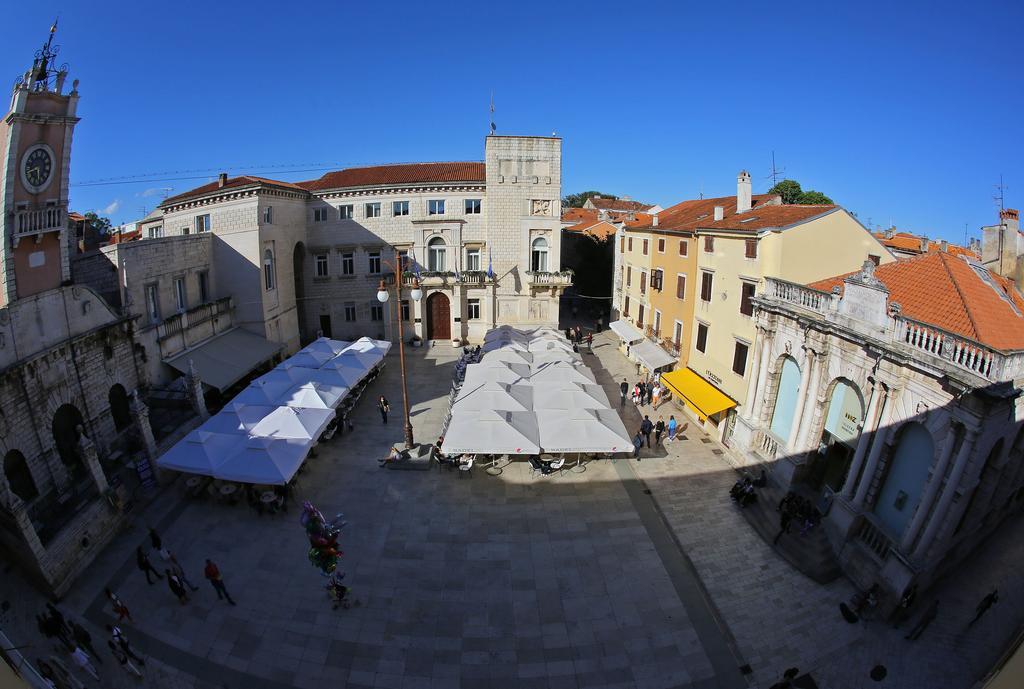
x=65 y=427
x=19 y=477
x=838 y=427
x=120 y=410
x=787 y=391
x=911 y=458
x=299 y=275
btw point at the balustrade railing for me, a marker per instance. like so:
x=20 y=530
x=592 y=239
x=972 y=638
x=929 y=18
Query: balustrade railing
x=33 y=220
x=545 y=278
x=874 y=538
x=767 y=446
x=791 y=292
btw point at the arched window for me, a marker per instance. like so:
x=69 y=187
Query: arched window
x=539 y=255
x=786 y=399
x=905 y=478
x=119 y=409
x=268 y=269
x=19 y=478
x=66 y=423
x=436 y=255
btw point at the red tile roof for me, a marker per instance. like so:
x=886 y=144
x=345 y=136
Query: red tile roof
x=122 y=237
x=404 y=173
x=911 y=243
x=75 y=216
x=603 y=204
x=947 y=292
x=766 y=212
x=586 y=221
x=231 y=183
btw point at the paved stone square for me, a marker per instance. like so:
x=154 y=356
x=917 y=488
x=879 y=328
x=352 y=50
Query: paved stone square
x=572 y=580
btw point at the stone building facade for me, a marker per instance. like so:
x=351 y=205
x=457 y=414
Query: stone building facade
x=892 y=398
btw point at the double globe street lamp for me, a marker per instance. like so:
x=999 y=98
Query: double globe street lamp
x=383 y=294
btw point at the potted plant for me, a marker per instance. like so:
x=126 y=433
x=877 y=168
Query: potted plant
x=456 y=341
x=415 y=341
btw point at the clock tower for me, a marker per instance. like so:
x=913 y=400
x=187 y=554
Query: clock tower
x=35 y=151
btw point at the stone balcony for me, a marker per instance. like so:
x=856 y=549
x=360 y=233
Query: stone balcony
x=556 y=282
x=34 y=222
x=434 y=279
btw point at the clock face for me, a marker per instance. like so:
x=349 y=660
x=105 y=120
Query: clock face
x=37 y=168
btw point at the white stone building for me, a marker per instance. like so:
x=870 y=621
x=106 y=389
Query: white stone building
x=891 y=397
x=307 y=258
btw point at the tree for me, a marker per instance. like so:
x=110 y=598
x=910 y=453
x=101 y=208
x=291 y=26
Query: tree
x=577 y=200
x=792 y=193
x=99 y=225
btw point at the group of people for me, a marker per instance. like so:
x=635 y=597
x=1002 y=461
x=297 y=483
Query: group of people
x=744 y=492
x=642 y=393
x=174 y=573
x=77 y=642
x=660 y=429
x=577 y=338
x=470 y=355
x=796 y=508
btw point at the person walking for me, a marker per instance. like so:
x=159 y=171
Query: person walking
x=383 y=407
x=217 y=581
x=84 y=640
x=903 y=607
x=784 y=519
x=176 y=587
x=638 y=442
x=590 y=342
x=154 y=539
x=926 y=619
x=623 y=392
x=119 y=607
x=987 y=602
x=122 y=658
x=659 y=430
x=178 y=570
x=672 y=425
x=122 y=642
x=142 y=560
x=81 y=659
x=656 y=395
x=646 y=427
x=649 y=389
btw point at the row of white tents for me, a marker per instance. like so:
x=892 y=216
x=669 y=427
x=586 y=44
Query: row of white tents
x=531 y=393
x=265 y=433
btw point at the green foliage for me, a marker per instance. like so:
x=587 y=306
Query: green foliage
x=792 y=193
x=99 y=225
x=577 y=200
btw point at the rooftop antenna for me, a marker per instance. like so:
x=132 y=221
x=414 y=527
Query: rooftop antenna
x=776 y=171
x=701 y=195
x=1000 y=198
x=494 y=127
x=166 y=191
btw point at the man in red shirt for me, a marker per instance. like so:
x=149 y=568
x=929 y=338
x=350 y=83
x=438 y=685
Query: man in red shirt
x=213 y=574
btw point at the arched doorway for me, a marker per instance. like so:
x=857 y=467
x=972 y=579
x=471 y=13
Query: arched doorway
x=299 y=273
x=19 y=478
x=786 y=399
x=65 y=436
x=439 y=317
x=843 y=422
x=119 y=409
x=905 y=479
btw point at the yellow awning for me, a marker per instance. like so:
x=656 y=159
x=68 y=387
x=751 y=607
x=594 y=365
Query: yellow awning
x=698 y=394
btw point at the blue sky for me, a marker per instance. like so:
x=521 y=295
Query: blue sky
x=903 y=113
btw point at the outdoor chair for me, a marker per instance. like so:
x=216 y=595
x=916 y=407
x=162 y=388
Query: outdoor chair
x=557 y=465
x=467 y=468
x=536 y=466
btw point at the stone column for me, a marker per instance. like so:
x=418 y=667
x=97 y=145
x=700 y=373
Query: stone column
x=866 y=431
x=813 y=412
x=87 y=449
x=195 y=391
x=140 y=413
x=801 y=398
x=948 y=493
x=931 y=489
x=755 y=373
x=881 y=436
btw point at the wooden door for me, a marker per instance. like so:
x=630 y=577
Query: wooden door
x=439 y=317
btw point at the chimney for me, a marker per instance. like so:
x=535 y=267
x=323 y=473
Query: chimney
x=742 y=192
x=222 y=179
x=891 y=232
x=944 y=246
x=1010 y=217
x=924 y=245
x=719 y=213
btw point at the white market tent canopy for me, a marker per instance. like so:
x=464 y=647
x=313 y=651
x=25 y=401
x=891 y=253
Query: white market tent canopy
x=626 y=331
x=265 y=433
x=651 y=355
x=531 y=393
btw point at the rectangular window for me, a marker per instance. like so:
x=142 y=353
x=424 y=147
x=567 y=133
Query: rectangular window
x=373 y=210
x=684 y=247
x=202 y=223
x=472 y=259
x=709 y=245
x=346 y=212
x=643 y=283
x=630 y=244
x=350 y=312
x=640 y=316
x=374 y=262
x=186 y=230
x=376 y=311
x=622 y=245
x=658 y=279
x=677 y=334
x=179 y=294
x=661 y=246
x=746 y=294
x=348 y=263
x=403 y=260
x=321 y=265
x=739 y=359
x=400 y=208
x=319 y=215
x=645 y=247
x=473 y=309
x=152 y=304
x=156 y=232
x=702 y=337
x=874 y=259
x=751 y=248
x=706 y=284
x=435 y=207
x=681 y=287
x=657 y=323
x=629 y=276
x=405 y=309
x=204 y=287
x=472 y=206
x=268 y=215
x=625 y=307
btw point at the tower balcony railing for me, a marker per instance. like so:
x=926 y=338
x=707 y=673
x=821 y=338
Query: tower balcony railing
x=37 y=221
x=545 y=278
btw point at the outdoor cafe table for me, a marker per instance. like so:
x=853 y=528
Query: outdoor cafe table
x=268 y=497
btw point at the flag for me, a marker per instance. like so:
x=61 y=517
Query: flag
x=490 y=265
x=415 y=263
x=457 y=277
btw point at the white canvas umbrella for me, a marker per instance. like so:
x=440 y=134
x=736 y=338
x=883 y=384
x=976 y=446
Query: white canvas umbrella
x=310 y=359
x=279 y=379
x=549 y=344
x=493 y=395
x=583 y=430
x=508 y=356
x=502 y=373
x=562 y=372
x=345 y=370
x=505 y=332
x=558 y=354
x=493 y=432
x=493 y=345
x=236 y=418
x=325 y=346
x=568 y=397
x=200 y=452
x=354 y=358
x=314 y=395
x=270 y=461
x=300 y=423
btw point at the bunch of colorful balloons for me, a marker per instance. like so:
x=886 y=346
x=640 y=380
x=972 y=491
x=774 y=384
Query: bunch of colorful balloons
x=323 y=538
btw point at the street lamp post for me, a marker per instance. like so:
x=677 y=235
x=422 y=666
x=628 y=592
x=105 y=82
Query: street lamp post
x=383 y=294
